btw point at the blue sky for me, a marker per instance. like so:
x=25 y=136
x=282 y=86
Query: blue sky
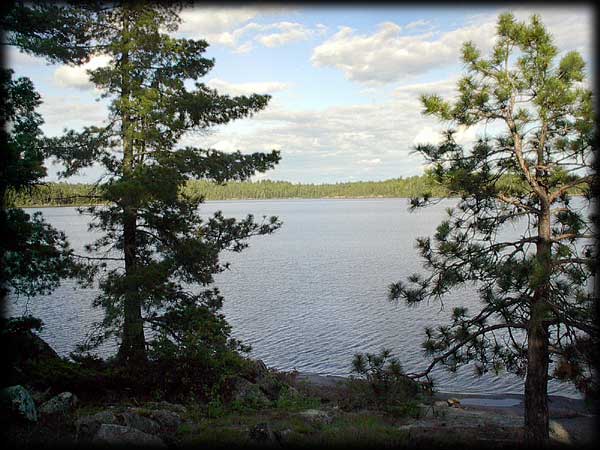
x=345 y=82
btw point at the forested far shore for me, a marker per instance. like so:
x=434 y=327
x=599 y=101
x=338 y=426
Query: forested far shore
x=67 y=194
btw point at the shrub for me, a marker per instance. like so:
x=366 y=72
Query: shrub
x=386 y=383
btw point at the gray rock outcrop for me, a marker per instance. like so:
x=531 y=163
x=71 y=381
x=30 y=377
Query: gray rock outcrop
x=118 y=435
x=249 y=393
x=17 y=403
x=62 y=403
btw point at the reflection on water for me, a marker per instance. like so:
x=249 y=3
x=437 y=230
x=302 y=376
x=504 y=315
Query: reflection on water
x=312 y=294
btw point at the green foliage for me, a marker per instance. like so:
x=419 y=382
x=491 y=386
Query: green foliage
x=194 y=352
x=164 y=248
x=291 y=400
x=33 y=255
x=59 y=32
x=388 y=385
x=63 y=194
x=540 y=283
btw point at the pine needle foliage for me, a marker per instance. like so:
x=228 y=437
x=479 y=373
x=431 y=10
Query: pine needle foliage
x=536 y=291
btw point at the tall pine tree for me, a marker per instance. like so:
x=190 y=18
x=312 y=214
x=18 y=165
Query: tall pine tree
x=535 y=291
x=160 y=246
x=34 y=256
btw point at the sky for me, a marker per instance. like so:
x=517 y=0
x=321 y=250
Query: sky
x=345 y=81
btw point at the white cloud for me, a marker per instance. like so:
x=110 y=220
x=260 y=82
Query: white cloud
x=228 y=26
x=61 y=112
x=369 y=140
x=215 y=20
x=433 y=135
x=77 y=76
x=388 y=55
x=15 y=58
x=427 y=135
x=370 y=162
x=417 y=24
x=267 y=87
x=366 y=135
x=287 y=32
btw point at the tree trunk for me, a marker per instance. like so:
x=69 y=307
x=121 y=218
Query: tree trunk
x=133 y=344
x=536 y=383
x=132 y=351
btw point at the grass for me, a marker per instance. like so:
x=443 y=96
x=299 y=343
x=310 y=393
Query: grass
x=233 y=429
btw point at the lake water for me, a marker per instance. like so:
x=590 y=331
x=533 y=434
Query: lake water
x=310 y=295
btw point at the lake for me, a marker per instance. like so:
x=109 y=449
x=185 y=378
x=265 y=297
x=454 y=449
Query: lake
x=310 y=295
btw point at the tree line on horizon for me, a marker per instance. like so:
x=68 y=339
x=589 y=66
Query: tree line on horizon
x=79 y=194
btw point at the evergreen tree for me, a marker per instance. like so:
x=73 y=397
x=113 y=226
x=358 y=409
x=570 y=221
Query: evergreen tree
x=160 y=245
x=59 y=32
x=535 y=291
x=34 y=255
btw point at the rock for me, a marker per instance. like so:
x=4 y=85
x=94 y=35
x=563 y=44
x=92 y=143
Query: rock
x=59 y=404
x=317 y=416
x=166 y=419
x=133 y=420
x=559 y=433
x=260 y=367
x=248 y=393
x=118 y=435
x=40 y=397
x=271 y=386
x=31 y=347
x=87 y=426
x=17 y=403
x=453 y=402
x=174 y=407
x=263 y=434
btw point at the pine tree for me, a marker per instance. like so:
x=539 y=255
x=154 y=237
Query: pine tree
x=34 y=256
x=59 y=32
x=163 y=245
x=535 y=291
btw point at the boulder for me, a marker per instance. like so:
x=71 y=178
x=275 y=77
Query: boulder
x=117 y=435
x=166 y=419
x=31 y=347
x=40 y=397
x=17 y=403
x=174 y=407
x=316 y=416
x=133 y=420
x=271 y=386
x=87 y=426
x=62 y=403
x=249 y=393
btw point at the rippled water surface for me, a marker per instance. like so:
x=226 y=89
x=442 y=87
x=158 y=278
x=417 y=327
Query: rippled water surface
x=310 y=295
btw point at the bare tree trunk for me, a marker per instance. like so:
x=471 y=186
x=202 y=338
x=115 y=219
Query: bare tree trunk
x=536 y=383
x=536 y=386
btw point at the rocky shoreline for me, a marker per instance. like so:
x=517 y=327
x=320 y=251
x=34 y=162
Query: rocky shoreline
x=572 y=421
x=278 y=408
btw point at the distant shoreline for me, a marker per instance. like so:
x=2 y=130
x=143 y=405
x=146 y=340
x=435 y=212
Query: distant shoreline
x=379 y=197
